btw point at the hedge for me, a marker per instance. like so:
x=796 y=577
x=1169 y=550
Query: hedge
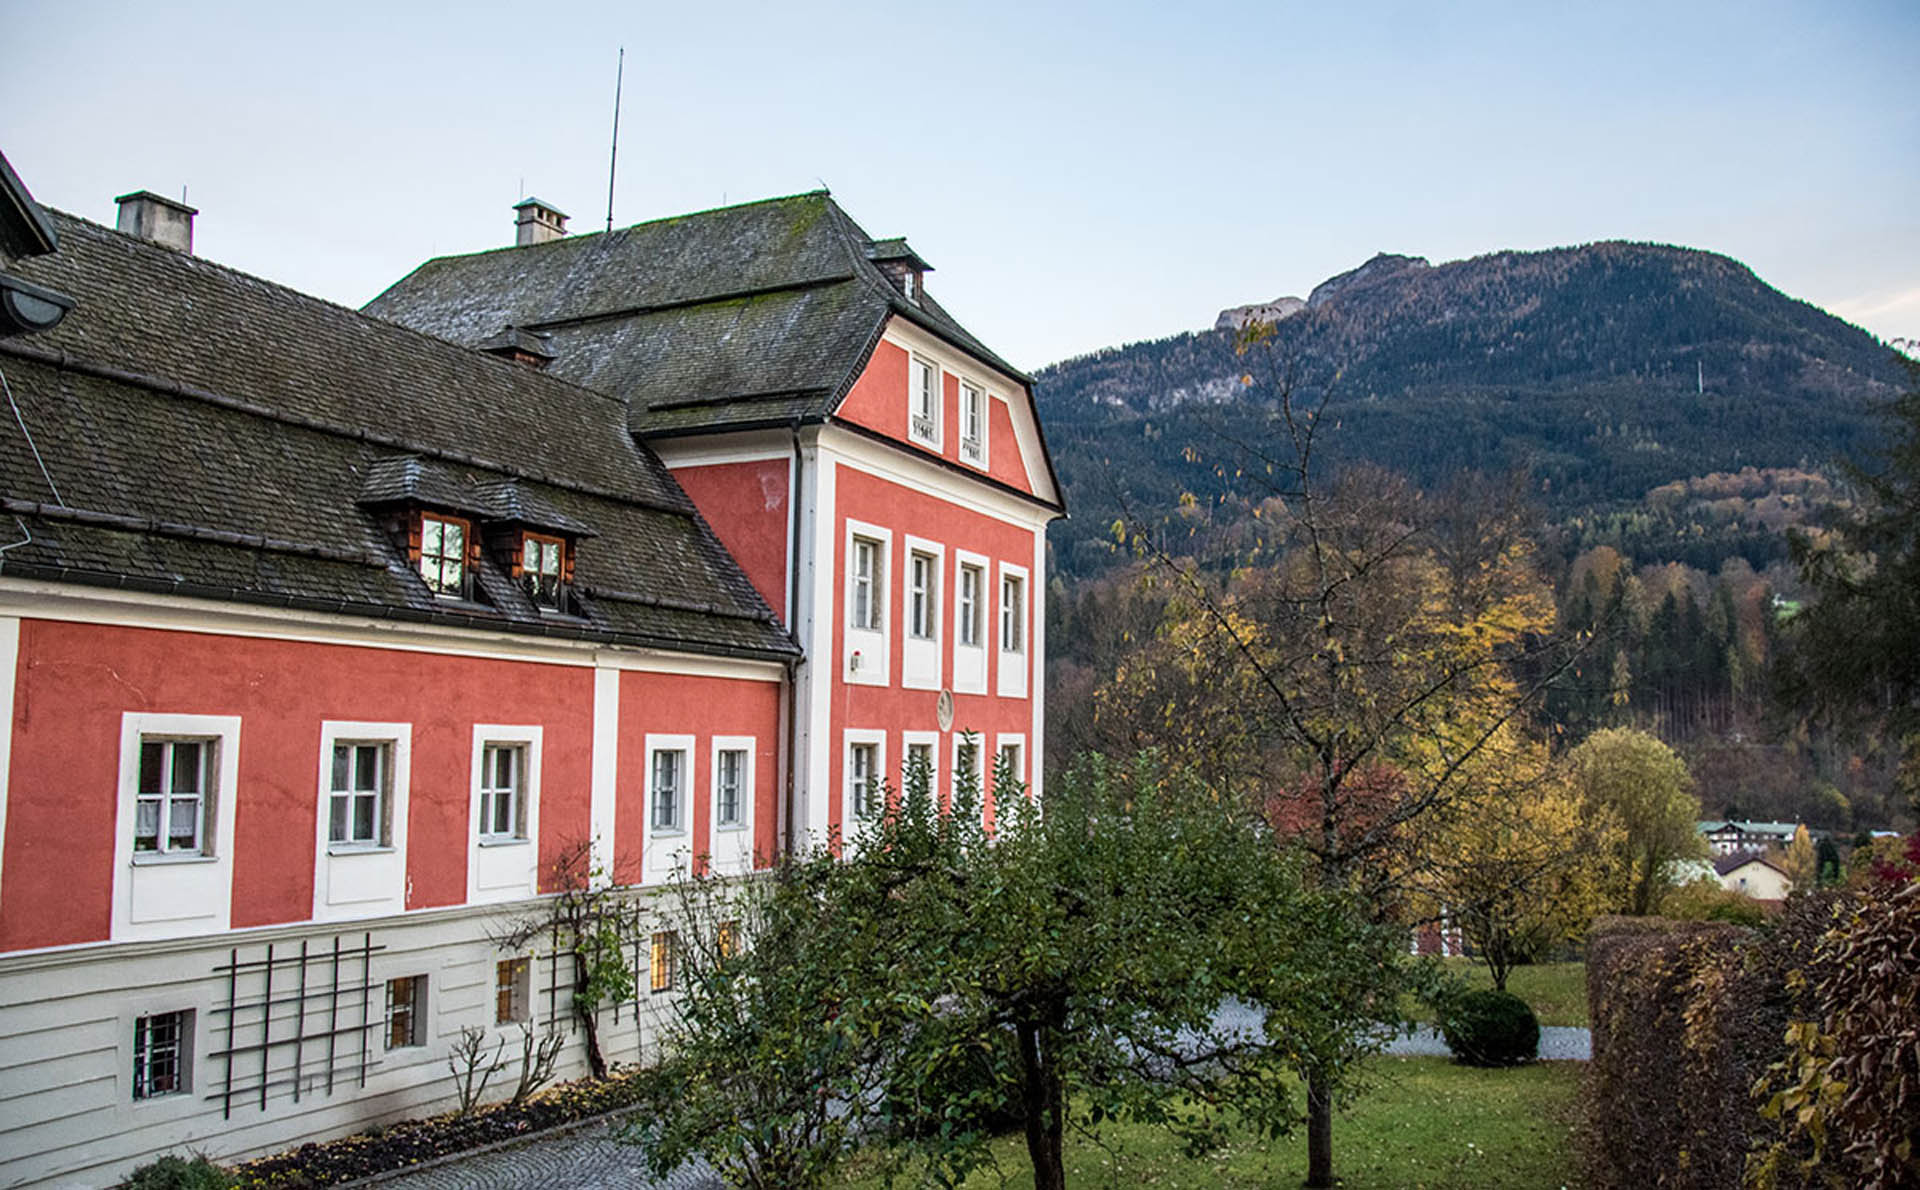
x=1686 y=1018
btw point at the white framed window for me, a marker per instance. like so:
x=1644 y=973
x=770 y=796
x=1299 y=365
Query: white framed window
x=359 y=798
x=175 y=795
x=920 y=749
x=360 y=867
x=867 y=599
x=1015 y=616
x=869 y=627
x=730 y=843
x=406 y=1012
x=502 y=859
x=866 y=766
x=667 y=790
x=923 y=401
x=923 y=594
x=971 y=604
x=1010 y=753
x=968 y=762
x=503 y=792
x=973 y=424
x=667 y=782
x=729 y=788
x=174 y=825
x=163 y=1054
x=973 y=581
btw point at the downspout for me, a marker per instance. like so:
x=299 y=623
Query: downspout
x=793 y=666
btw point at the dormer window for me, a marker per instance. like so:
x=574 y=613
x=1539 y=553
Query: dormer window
x=443 y=555
x=543 y=571
x=923 y=401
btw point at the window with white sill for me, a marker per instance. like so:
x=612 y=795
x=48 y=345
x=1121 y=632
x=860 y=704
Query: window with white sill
x=865 y=768
x=361 y=849
x=970 y=623
x=174 y=823
x=502 y=862
x=973 y=424
x=868 y=636
x=730 y=848
x=923 y=401
x=667 y=843
x=921 y=761
x=1011 y=680
x=922 y=598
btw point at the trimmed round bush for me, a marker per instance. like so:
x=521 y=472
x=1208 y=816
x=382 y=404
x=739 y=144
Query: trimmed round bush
x=1489 y=1028
x=179 y=1173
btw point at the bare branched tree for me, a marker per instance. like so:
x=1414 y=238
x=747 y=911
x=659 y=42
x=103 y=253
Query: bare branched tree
x=1356 y=649
x=590 y=922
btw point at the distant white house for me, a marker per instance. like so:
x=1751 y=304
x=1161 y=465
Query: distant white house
x=1752 y=875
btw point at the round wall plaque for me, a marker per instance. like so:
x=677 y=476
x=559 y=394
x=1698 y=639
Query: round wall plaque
x=943 y=710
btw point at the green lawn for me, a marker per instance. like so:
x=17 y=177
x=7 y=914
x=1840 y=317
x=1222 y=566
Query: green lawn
x=1426 y=1124
x=1557 y=991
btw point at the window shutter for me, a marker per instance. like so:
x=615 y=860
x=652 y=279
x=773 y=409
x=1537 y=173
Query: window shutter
x=413 y=538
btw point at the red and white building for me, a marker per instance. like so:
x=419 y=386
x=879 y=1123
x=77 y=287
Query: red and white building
x=326 y=642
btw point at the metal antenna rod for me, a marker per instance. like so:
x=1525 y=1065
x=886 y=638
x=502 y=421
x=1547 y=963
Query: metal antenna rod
x=613 y=157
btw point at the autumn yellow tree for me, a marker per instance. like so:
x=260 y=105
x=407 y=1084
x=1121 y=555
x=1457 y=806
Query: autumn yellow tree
x=1520 y=863
x=1647 y=787
x=1797 y=860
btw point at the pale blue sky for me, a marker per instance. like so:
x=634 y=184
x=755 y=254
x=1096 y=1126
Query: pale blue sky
x=1081 y=175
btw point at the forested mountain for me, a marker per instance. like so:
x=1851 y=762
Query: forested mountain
x=1605 y=371
x=1669 y=414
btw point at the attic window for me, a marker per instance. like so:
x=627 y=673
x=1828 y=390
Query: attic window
x=923 y=401
x=910 y=285
x=444 y=543
x=543 y=571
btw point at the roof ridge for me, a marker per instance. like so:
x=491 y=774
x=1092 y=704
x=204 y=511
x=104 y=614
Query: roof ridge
x=327 y=304
x=590 y=237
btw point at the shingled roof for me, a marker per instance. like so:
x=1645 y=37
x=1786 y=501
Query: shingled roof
x=205 y=432
x=752 y=315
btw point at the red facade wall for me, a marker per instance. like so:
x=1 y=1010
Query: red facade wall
x=878 y=401
x=877 y=501
x=669 y=704
x=746 y=503
x=76 y=680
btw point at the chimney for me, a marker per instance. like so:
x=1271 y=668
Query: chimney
x=537 y=222
x=162 y=220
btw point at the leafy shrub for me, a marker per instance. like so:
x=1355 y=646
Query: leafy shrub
x=971 y=1088
x=1705 y=900
x=1489 y=1028
x=180 y=1173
